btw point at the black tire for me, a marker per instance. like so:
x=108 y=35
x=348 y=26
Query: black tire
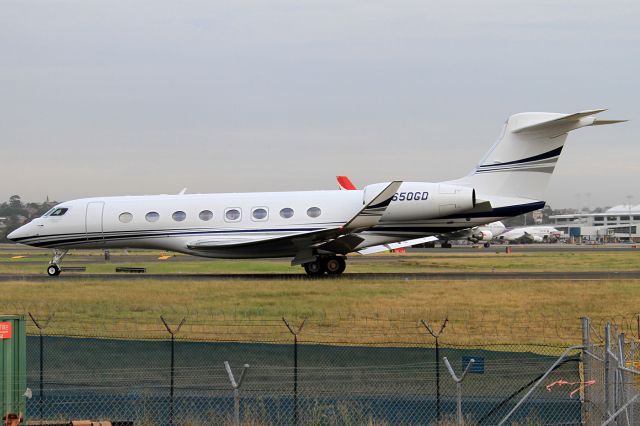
x=445 y=245
x=335 y=265
x=487 y=245
x=314 y=269
x=53 y=270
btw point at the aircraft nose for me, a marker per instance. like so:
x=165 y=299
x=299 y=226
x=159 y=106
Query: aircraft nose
x=13 y=235
x=17 y=234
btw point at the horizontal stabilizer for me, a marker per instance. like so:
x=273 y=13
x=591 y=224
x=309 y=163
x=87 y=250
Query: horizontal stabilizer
x=567 y=119
x=392 y=246
x=604 y=122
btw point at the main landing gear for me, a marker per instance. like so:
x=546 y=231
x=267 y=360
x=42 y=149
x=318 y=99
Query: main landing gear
x=330 y=265
x=53 y=270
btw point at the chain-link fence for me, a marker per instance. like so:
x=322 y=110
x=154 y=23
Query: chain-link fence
x=312 y=372
x=611 y=376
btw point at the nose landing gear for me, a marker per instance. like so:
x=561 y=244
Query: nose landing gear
x=53 y=270
x=330 y=265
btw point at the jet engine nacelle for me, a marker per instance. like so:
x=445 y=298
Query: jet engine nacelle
x=537 y=239
x=424 y=200
x=483 y=235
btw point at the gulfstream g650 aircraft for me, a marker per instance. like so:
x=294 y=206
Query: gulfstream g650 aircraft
x=319 y=228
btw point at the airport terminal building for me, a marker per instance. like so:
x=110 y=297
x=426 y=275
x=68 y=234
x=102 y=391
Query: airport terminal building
x=619 y=223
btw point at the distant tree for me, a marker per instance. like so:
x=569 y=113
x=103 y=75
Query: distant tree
x=15 y=202
x=17 y=213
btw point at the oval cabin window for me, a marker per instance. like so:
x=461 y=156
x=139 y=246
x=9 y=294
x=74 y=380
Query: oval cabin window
x=259 y=213
x=125 y=217
x=314 y=212
x=152 y=216
x=232 y=215
x=179 y=216
x=286 y=213
x=206 y=215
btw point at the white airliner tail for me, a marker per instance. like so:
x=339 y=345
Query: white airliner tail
x=523 y=158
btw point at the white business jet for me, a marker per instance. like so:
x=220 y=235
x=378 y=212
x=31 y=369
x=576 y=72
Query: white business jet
x=319 y=228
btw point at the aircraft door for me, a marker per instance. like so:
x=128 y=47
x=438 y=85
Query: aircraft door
x=93 y=221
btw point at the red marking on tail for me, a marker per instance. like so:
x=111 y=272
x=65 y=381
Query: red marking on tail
x=345 y=183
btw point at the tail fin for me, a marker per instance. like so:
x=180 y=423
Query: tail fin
x=521 y=162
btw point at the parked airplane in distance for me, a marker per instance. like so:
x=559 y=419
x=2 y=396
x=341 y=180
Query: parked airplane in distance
x=317 y=229
x=478 y=234
x=531 y=234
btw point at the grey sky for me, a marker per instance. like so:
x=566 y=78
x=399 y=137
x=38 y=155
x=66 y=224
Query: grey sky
x=112 y=98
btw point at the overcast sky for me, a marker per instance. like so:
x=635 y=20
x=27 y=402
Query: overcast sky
x=141 y=97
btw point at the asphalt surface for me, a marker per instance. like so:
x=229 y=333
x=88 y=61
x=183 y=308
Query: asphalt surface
x=386 y=276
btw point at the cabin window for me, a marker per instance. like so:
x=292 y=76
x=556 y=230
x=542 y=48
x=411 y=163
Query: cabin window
x=286 y=213
x=59 y=212
x=179 y=216
x=206 y=215
x=152 y=216
x=232 y=215
x=125 y=217
x=259 y=213
x=314 y=212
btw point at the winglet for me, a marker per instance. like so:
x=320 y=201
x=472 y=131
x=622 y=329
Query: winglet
x=345 y=183
x=371 y=213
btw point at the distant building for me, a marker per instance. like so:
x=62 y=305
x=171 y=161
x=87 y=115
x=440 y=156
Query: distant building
x=2 y=224
x=619 y=223
x=538 y=216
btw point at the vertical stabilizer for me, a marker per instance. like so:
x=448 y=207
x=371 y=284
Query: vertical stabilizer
x=521 y=162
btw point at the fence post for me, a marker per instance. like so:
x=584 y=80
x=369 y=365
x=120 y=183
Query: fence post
x=437 y=337
x=621 y=375
x=459 y=418
x=41 y=328
x=630 y=389
x=172 y=373
x=236 y=390
x=607 y=360
x=586 y=367
x=295 y=333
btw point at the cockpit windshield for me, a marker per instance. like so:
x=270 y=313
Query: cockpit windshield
x=49 y=212
x=56 y=211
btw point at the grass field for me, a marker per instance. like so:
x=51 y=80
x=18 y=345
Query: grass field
x=504 y=311
x=32 y=261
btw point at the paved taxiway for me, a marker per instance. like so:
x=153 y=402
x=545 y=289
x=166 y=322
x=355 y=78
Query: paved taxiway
x=387 y=276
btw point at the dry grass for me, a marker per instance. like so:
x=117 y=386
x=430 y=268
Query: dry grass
x=505 y=311
x=511 y=311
